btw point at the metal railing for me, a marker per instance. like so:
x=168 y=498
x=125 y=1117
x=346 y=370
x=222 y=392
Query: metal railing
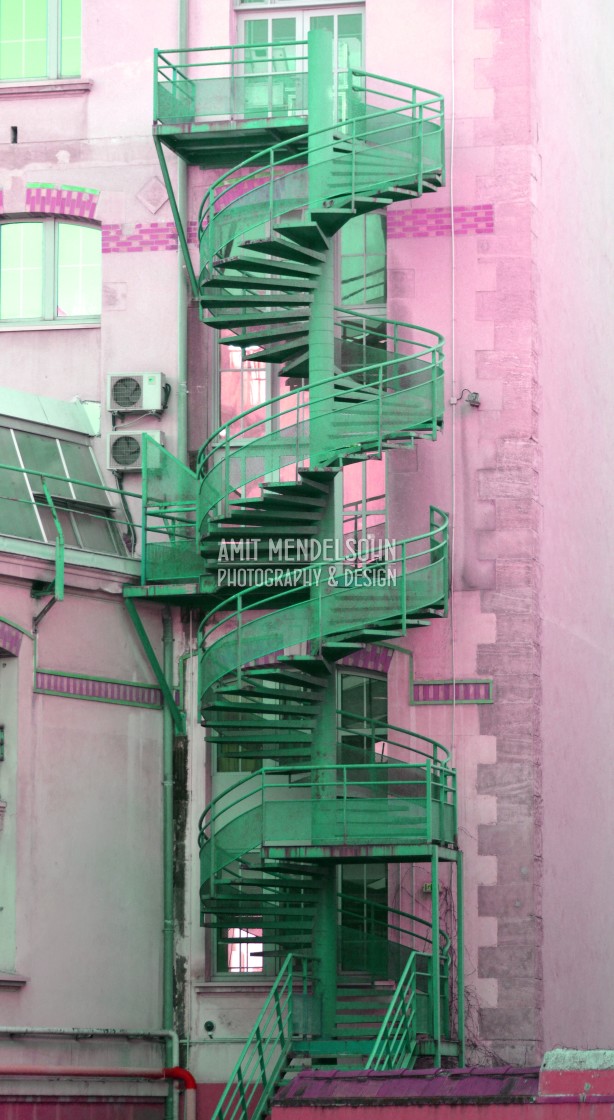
x=361 y=155
x=237 y=81
x=68 y=513
x=393 y=397
x=265 y=1054
x=333 y=804
x=417 y=578
x=395 y=1045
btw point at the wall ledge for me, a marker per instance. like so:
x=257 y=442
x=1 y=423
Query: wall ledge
x=50 y=87
x=12 y=981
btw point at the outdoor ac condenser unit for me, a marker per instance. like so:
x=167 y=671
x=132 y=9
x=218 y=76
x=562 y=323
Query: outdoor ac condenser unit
x=136 y=392
x=125 y=449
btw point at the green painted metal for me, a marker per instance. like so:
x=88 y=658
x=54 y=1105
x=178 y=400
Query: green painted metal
x=169 y=550
x=265 y=1054
x=396 y=1044
x=177 y=716
x=321 y=789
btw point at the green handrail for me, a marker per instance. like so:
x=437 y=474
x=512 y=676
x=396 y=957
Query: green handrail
x=256 y=1074
x=346 y=782
x=395 y=1045
x=421 y=571
x=396 y=140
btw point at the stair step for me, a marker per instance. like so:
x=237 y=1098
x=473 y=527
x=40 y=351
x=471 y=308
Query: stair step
x=255 y=318
x=253 y=262
x=279 y=283
x=267 y=301
x=278 y=246
x=307 y=234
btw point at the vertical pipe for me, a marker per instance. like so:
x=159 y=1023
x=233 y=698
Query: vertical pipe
x=460 y=960
x=168 y=946
x=435 y=969
x=321 y=367
x=182 y=283
x=321 y=320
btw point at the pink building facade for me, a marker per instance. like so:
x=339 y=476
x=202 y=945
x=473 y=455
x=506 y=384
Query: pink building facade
x=503 y=262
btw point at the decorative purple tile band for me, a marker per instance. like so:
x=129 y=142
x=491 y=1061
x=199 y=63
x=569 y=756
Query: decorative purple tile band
x=86 y=688
x=46 y=198
x=436 y=221
x=445 y=692
x=145 y=237
x=375 y=658
x=10 y=638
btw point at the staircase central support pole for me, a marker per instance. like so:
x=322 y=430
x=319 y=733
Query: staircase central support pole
x=460 y=960
x=321 y=368
x=320 y=155
x=435 y=966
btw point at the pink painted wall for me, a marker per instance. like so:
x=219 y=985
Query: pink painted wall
x=493 y=276
x=573 y=284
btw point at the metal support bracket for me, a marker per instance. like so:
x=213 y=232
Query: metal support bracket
x=181 y=233
x=178 y=717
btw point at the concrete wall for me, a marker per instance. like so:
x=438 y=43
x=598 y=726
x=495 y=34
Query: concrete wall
x=573 y=279
x=483 y=261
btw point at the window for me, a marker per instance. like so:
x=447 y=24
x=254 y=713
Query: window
x=346 y=28
x=84 y=511
x=40 y=39
x=243 y=386
x=363 y=261
x=362 y=699
x=50 y=271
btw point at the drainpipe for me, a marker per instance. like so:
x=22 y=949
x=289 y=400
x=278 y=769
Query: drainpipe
x=174 y=1073
x=168 y=940
x=170 y=1037
x=182 y=282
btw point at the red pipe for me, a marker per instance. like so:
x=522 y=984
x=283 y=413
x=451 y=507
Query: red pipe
x=173 y=1073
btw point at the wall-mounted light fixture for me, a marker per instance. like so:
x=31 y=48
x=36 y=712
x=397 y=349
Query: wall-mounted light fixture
x=472 y=398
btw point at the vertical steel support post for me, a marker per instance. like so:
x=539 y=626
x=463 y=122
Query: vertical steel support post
x=321 y=367
x=168 y=932
x=436 y=971
x=320 y=155
x=460 y=961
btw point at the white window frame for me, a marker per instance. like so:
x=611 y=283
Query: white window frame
x=50 y=261
x=54 y=48
x=244 y=6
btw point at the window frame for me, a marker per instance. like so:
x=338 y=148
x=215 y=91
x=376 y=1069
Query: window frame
x=50 y=258
x=53 y=69
x=69 y=504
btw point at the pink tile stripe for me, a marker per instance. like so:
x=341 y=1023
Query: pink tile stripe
x=44 y=199
x=375 y=658
x=110 y=691
x=436 y=221
x=443 y=692
x=10 y=638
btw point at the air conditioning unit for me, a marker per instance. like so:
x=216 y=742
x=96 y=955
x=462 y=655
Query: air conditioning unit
x=125 y=449
x=137 y=392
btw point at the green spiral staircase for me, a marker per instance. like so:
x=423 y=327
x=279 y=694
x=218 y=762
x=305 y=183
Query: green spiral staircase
x=354 y=982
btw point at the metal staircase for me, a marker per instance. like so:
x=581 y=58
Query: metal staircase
x=321 y=789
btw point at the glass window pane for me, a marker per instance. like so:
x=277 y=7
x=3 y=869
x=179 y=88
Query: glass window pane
x=70 y=38
x=21 y=270
x=42 y=456
x=79 y=270
x=97 y=533
x=327 y=23
x=64 y=517
x=23 y=39
x=17 y=514
x=353 y=237
x=81 y=464
x=375 y=233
